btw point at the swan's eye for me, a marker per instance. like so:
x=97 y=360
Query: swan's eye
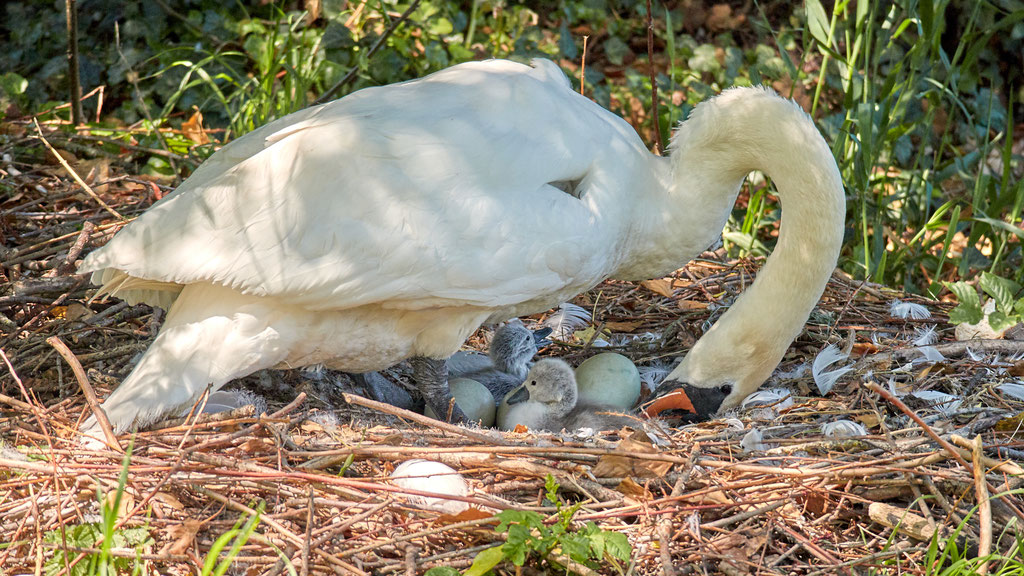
x=533 y=383
x=725 y=389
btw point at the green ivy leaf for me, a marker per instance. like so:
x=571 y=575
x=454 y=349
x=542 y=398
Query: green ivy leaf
x=615 y=49
x=482 y=564
x=968 y=309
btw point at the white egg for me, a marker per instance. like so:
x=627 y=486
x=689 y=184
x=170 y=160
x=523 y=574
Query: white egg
x=608 y=379
x=474 y=398
x=430 y=476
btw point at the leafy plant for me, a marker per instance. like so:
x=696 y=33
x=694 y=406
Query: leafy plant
x=1007 y=295
x=529 y=536
x=236 y=537
x=88 y=535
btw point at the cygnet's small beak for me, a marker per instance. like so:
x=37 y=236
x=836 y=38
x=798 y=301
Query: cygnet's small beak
x=520 y=395
x=678 y=400
x=540 y=337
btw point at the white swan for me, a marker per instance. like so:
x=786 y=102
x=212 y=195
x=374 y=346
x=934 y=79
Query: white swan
x=391 y=223
x=549 y=400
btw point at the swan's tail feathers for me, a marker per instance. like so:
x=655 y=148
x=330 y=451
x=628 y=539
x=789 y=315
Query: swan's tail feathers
x=196 y=348
x=113 y=282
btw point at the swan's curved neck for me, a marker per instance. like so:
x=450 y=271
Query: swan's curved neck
x=713 y=151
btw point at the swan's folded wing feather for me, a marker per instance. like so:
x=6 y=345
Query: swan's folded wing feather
x=413 y=196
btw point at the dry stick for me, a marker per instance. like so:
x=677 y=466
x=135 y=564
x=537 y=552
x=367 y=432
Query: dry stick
x=654 y=82
x=309 y=534
x=373 y=50
x=583 y=66
x=88 y=189
x=938 y=439
x=76 y=249
x=250 y=429
x=984 y=507
x=278 y=527
x=87 y=390
x=814 y=549
x=421 y=419
x=49 y=441
x=71 y=13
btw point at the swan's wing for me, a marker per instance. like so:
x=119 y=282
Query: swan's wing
x=450 y=190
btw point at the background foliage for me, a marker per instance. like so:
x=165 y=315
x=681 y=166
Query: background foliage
x=918 y=99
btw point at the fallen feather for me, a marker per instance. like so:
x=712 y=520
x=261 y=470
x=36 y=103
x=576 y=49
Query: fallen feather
x=900 y=309
x=944 y=403
x=843 y=429
x=826 y=379
x=568 y=319
x=1014 y=390
x=778 y=398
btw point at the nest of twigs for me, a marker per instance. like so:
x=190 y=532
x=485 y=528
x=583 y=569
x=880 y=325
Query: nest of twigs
x=703 y=498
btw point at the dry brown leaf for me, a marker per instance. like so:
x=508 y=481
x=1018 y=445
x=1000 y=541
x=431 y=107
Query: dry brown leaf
x=661 y=286
x=623 y=326
x=466 y=515
x=193 y=129
x=255 y=446
x=629 y=487
x=870 y=420
x=184 y=535
x=1017 y=369
x=124 y=506
x=169 y=500
x=863 y=349
x=616 y=466
x=1012 y=425
x=94 y=171
x=691 y=305
x=721 y=18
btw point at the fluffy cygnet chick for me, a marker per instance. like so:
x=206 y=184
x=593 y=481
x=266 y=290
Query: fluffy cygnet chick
x=548 y=401
x=509 y=358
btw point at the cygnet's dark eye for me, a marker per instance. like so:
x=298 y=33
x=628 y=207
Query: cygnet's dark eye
x=725 y=389
x=533 y=383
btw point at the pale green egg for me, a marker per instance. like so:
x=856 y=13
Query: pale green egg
x=608 y=379
x=474 y=398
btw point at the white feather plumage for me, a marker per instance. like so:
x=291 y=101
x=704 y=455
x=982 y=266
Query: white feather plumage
x=393 y=222
x=823 y=378
x=566 y=320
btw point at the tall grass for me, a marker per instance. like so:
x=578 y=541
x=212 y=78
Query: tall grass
x=915 y=133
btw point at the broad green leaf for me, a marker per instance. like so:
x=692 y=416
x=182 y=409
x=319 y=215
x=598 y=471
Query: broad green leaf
x=1002 y=290
x=576 y=546
x=614 y=543
x=968 y=309
x=516 y=548
x=482 y=564
x=448 y=570
x=13 y=84
x=817 y=22
x=615 y=49
x=999 y=321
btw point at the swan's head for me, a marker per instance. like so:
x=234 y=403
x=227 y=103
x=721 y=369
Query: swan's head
x=714 y=376
x=683 y=401
x=550 y=382
x=513 y=346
